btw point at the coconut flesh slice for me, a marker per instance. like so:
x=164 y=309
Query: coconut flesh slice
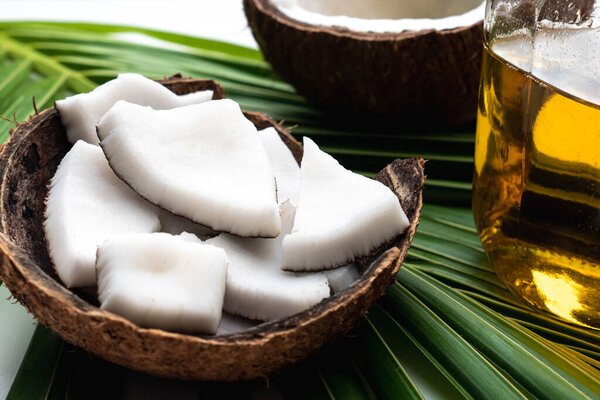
x=257 y=288
x=204 y=162
x=231 y=324
x=285 y=167
x=340 y=278
x=380 y=16
x=287 y=175
x=86 y=205
x=158 y=280
x=80 y=113
x=341 y=216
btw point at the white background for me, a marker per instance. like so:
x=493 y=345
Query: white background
x=217 y=19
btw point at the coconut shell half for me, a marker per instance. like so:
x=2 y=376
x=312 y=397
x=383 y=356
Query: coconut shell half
x=426 y=76
x=28 y=162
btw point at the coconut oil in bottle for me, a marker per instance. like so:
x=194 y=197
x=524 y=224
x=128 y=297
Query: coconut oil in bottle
x=536 y=189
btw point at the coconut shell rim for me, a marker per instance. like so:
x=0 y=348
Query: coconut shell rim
x=268 y=8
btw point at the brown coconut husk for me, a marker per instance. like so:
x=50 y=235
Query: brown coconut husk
x=427 y=76
x=28 y=162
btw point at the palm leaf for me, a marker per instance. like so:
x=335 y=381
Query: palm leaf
x=61 y=48
x=524 y=355
x=468 y=369
x=381 y=367
x=448 y=302
x=37 y=372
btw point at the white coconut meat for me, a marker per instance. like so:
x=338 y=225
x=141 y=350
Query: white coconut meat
x=86 y=205
x=341 y=215
x=385 y=15
x=190 y=237
x=257 y=288
x=175 y=225
x=204 y=162
x=80 y=113
x=231 y=324
x=161 y=281
x=285 y=167
x=341 y=278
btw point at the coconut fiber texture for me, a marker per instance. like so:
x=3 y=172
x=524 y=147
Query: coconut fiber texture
x=426 y=76
x=28 y=162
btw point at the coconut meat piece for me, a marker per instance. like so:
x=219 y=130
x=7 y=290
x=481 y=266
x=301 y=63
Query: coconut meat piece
x=340 y=278
x=384 y=15
x=86 y=205
x=285 y=167
x=257 y=288
x=231 y=324
x=190 y=237
x=158 y=280
x=80 y=113
x=204 y=162
x=341 y=215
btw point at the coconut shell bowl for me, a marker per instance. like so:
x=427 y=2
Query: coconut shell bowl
x=27 y=163
x=423 y=76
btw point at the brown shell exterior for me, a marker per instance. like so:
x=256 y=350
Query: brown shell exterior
x=424 y=76
x=27 y=163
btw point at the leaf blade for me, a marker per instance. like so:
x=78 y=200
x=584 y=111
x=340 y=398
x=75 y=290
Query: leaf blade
x=36 y=374
x=539 y=365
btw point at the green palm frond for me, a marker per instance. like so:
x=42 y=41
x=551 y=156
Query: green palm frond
x=447 y=301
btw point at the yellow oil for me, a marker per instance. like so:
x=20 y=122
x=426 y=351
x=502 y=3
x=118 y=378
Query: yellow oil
x=536 y=190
